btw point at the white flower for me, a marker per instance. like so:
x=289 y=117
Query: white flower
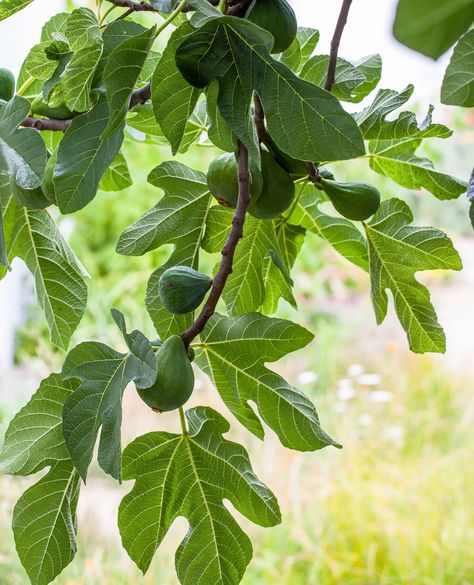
x=366 y=420
x=369 y=379
x=355 y=370
x=345 y=394
x=308 y=378
x=345 y=383
x=380 y=396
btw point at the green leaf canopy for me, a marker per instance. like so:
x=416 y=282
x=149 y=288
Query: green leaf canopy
x=236 y=53
x=104 y=374
x=190 y=475
x=44 y=518
x=396 y=252
x=233 y=353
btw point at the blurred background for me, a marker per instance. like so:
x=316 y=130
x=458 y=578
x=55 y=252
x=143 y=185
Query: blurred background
x=395 y=506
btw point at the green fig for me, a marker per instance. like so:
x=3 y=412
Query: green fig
x=357 y=201
x=175 y=378
x=278 y=18
x=182 y=289
x=40 y=108
x=7 y=84
x=278 y=190
x=223 y=181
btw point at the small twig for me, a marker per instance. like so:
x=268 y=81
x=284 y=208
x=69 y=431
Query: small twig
x=43 y=124
x=336 y=39
x=225 y=268
x=139 y=97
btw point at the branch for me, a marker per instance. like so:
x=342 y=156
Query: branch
x=139 y=97
x=46 y=124
x=225 y=268
x=336 y=39
x=146 y=6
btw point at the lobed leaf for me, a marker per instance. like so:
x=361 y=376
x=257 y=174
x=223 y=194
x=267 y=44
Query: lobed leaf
x=117 y=176
x=396 y=252
x=104 y=374
x=190 y=475
x=233 y=352
x=44 y=518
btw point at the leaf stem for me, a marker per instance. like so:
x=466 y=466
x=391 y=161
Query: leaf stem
x=171 y=17
x=336 y=39
x=106 y=13
x=182 y=420
x=301 y=188
x=228 y=252
x=26 y=85
x=222 y=6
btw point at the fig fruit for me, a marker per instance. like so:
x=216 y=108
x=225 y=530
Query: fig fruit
x=278 y=190
x=182 y=289
x=278 y=18
x=174 y=382
x=40 y=108
x=357 y=201
x=7 y=84
x=223 y=181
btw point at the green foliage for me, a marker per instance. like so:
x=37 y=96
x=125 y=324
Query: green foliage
x=203 y=89
x=7 y=84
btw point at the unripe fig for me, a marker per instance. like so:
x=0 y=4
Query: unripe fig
x=7 y=84
x=41 y=108
x=223 y=181
x=175 y=378
x=278 y=18
x=182 y=289
x=357 y=201
x=278 y=190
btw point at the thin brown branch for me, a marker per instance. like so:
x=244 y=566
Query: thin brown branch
x=43 y=124
x=225 y=268
x=336 y=40
x=134 y=6
x=313 y=172
x=139 y=97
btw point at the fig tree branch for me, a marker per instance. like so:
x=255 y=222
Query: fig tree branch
x=134 y=6
x=336 y=40
x=139 y=96
x=228 y=252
